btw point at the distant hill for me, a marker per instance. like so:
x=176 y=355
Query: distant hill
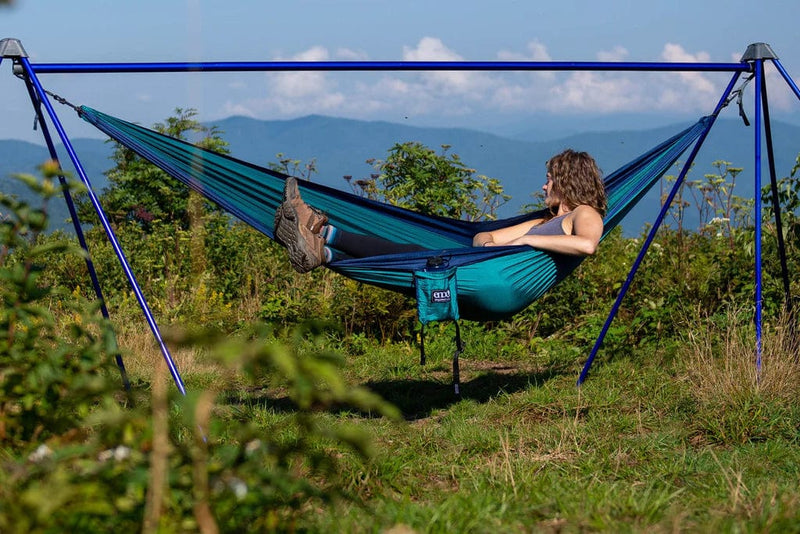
x=342 y=146
x=21 y=157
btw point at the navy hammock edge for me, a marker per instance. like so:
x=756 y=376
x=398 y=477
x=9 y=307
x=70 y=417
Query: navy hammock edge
x=492 y=282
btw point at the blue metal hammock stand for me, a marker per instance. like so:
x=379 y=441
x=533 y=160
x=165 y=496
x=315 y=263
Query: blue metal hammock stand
x=251 y=193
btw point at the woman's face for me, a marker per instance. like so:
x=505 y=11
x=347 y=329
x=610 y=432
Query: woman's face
x=551 y=199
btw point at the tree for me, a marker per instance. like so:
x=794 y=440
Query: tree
x=140 y=192
x=158 y=215
x=413 y=176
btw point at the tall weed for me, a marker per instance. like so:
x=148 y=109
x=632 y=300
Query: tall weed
x=738 y=402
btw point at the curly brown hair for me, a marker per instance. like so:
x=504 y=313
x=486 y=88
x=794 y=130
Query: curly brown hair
x=577 y=180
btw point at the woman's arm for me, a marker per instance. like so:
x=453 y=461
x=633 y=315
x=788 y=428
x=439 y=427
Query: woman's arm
x=587 y=229
x=503 y=236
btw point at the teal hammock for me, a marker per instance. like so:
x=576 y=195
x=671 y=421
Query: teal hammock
x=492 y=282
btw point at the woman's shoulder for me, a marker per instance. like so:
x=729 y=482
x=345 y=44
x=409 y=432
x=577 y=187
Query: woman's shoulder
x=585 y=210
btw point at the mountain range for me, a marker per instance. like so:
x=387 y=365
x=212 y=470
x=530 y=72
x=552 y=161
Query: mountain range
x=342 y=147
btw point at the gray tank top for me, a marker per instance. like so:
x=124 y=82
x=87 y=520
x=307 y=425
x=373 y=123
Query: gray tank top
x=551 y=227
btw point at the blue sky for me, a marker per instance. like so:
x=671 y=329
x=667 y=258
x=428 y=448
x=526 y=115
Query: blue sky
x=205 y=30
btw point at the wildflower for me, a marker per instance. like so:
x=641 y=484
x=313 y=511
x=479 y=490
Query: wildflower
x=252 y=446
x=119 y=453
x=238 y=487
x=41 y=452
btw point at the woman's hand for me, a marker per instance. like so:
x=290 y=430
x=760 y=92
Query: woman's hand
x=483 y=239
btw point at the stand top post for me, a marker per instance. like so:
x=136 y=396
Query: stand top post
x=12 y=48
x=759 y=51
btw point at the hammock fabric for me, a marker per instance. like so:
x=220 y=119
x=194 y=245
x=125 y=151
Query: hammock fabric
x=492 y=282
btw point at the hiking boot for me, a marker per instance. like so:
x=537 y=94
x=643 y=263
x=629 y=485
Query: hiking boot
x=306 y=248
x=311 y=218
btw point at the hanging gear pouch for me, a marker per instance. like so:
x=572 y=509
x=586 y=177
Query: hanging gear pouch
x=436 y=291
x=437 y=300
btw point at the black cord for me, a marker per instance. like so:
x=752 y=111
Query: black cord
x=738 y=94
x=57 y=98
x=62 y=100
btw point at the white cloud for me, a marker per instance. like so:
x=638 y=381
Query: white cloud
x=596 y=92
x=675 y=53
x=444 y=82
x=696 y=82
x=617 y=54
x=779 y=95
x=451 y=93
x=237 y=108
x=430 y=49
x=609 y=92
x=301 y=84
x=292 y=93
x=315 y=53
x=345 y=54
x=538 y=51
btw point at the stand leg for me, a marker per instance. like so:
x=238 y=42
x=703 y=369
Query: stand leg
x=659 y=220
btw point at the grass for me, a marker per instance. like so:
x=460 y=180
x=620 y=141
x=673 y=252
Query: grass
x=661 y=441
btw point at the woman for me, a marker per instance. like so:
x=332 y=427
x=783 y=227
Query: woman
x=576 y=198
x=574 y=194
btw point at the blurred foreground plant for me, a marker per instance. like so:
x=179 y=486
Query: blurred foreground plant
x=50 y=373
x=74 y=458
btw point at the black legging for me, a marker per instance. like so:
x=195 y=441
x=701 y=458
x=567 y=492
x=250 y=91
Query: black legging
x=360 y=246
